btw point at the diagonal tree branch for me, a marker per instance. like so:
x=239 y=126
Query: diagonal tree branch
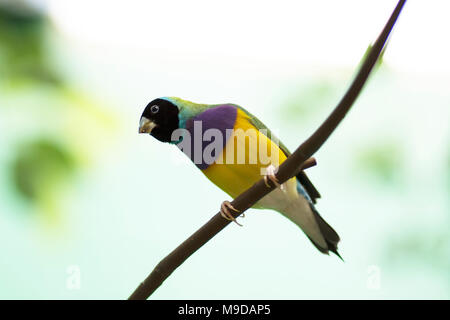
x=289 y=168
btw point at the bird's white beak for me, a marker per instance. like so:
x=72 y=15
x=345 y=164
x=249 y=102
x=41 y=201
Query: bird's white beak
x=146 y=125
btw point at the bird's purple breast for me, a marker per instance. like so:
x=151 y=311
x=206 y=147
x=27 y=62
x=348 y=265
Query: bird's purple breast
x=213 y=126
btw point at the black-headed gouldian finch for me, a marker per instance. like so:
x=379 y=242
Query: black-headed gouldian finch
x=234 y=149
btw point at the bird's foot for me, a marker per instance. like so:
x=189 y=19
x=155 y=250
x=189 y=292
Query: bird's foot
x=270 y=175
x=225 y=212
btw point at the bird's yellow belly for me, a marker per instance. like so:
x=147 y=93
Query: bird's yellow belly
x=233 y=179
x=244 y=159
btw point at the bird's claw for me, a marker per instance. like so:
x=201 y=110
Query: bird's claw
x=225 y=208
x=270 y=175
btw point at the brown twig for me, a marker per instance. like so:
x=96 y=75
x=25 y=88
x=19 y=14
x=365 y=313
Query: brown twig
x=311 y=162
x=288 y=169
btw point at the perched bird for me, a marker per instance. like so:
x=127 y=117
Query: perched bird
x=233 y=149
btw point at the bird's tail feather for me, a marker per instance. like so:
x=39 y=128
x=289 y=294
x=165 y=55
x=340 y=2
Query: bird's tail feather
x=304 y=214
x=329 y=234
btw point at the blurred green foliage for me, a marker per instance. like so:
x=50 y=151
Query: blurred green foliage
x=40 y=165
x=448 y=172
x=316 y=96
x=382 y=162
x=419 y=248
x=22 y=45
x=304 y=103
x=46 y=157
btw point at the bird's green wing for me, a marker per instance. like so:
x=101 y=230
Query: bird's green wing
x=302 y=177
x=261 y=126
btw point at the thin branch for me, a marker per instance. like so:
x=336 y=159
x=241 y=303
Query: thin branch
x=311 y=162
x=289 y=168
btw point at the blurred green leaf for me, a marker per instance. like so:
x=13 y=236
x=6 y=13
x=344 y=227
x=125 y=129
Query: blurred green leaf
x=40 y=164
x=22 y=45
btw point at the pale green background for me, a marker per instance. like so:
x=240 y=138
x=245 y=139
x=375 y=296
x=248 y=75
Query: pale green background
x=75 y=77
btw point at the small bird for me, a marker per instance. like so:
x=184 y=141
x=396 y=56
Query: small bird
x=234 y=149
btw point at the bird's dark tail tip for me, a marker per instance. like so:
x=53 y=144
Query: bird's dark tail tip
x=330 y=236
x=333 y=248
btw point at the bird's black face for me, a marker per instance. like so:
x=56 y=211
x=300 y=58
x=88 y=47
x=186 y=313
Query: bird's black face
x=160 y=119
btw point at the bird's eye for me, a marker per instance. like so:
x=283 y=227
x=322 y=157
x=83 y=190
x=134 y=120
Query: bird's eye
x=154 y=109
